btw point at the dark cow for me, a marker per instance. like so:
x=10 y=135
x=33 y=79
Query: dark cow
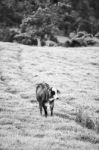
x=44 y=95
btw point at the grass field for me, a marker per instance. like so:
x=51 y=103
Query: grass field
x=75 y=72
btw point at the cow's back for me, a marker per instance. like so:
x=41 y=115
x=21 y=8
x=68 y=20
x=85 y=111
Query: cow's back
x=42 y=93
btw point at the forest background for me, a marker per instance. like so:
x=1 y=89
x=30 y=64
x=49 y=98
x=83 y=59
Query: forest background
x=48 y=17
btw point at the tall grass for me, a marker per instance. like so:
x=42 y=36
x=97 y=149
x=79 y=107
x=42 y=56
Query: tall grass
x=87 y=119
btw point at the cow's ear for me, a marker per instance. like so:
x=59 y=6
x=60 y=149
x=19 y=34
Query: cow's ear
x=50 y=89
x=58 y=91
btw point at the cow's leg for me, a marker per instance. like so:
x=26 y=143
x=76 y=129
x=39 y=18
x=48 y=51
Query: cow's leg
x=51 y=107
x=40 y=106
x=45 y=109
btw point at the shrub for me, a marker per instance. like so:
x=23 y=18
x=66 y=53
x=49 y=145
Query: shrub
x=7 y=35
x=43 y=42
x=53 y=38
x=86 y=119
x=67 y=43
x=97 y=35
x=23 y=38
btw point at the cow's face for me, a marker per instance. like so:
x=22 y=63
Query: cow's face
x=53 y=94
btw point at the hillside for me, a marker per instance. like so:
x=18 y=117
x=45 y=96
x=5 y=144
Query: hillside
x=74 y=71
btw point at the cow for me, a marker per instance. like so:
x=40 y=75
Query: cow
x=44 y=95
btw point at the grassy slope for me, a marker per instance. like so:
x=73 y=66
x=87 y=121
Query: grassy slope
x=75 y=72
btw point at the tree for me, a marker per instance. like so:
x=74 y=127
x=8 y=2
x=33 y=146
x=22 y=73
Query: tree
x=45 y=16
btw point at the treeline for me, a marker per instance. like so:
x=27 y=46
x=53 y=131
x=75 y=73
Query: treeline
x=40 y=17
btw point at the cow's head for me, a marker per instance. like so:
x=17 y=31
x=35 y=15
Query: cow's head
x=53 y=94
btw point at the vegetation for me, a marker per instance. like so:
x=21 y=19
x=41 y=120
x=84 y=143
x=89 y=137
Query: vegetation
x=87 y=119
x=51 y=17
x=74 y=71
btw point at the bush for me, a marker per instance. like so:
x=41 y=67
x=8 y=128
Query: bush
x=88 y=120
x=5 y=35
x=26 y=38
x=43 y=42
x=67 y=43
x=23 y=38
x=53 y=38
x=97 y=35
x=26 y=41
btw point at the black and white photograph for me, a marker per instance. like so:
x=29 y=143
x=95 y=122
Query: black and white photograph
x=49 y=74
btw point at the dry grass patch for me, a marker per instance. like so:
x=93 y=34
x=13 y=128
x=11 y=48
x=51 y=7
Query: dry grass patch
x=88 y=119
x=88 y=136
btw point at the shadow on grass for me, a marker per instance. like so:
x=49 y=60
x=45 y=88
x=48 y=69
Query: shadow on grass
x=33 y=101
x=94 y=64
x=11 y=90
x=39 y=135
x=1 y=109
x=88 y=138
x=3 y=149
x=97 y=99
x=97 y=111
x=65 y=116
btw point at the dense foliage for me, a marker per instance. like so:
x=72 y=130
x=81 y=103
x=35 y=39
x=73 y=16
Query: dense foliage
x=41 y=17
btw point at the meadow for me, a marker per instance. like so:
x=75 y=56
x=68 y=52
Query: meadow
x=73 y=71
